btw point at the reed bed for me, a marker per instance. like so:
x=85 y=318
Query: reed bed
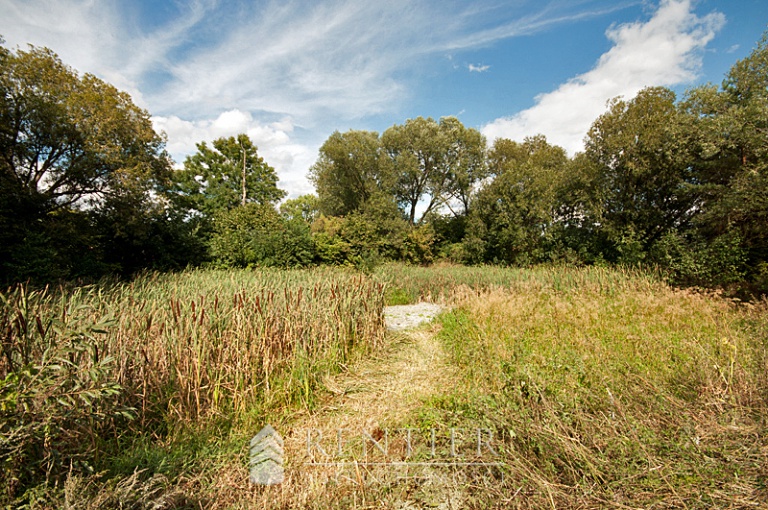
x=441 y=283
x=167 y=353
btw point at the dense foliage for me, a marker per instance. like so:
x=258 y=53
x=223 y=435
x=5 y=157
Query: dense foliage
x=674 y=183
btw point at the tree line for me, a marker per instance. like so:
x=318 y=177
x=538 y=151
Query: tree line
x=87 y=188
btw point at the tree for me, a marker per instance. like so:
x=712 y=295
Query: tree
x=732 y=158
x=646 y=183
x=513 y=215
x=434 y=162
x=70 y=145
x=305 y=208
x=349 y=172
x=229 y=174
x=465 y=160
x=256 y=235
x=66 y=139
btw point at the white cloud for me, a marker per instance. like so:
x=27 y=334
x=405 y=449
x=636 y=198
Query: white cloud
x=663 y=51
x=273 y=140
x=480 y=68
x=209 y=68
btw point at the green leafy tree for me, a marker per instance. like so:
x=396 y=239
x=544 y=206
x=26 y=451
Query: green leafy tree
x=349 y=172
x=646 y=184
x=256 y=235
x=222 y=177
x=465 y=161
x=515 y=213
x=305 y=208
x=732 y=156
x=66 y=139
x=71 y=147
x=433 y=162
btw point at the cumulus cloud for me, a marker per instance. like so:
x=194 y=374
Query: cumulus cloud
x=273 y=140
x=663 y=51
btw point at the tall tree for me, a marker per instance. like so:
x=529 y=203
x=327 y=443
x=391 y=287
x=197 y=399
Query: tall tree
x=227 y=175
x=732 y=157
x=65 y=139
x=646 y=183
x=465 y=161
x=433 y=162
x=349 y=172
x=66 y=142
x=514 y=213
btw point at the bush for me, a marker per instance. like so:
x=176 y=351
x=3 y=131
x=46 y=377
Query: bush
x=256 y=235
x=57 y=396
x=717 y=263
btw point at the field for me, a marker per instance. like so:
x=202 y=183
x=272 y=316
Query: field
x=602 y=388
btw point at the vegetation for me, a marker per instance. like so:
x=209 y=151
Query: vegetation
x=676 y=185
x=605 y=385
x=127 y=388
x=611 y=389
x=85 y=372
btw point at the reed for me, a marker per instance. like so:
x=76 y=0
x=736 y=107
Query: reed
x=167 y=353
x=441 y=283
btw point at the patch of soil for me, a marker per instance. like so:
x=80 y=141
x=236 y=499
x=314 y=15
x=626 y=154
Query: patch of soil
x=402 y=317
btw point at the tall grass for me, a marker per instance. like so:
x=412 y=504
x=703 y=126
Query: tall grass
x=167 y=353
x=605 y=388
x=441 y=283
x=613 y=390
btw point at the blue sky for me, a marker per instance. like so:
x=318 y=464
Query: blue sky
x=289 y=73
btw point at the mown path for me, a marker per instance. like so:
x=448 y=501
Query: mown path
x=372 y=395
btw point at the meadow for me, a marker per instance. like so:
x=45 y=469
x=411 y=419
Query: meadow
x=610 y=388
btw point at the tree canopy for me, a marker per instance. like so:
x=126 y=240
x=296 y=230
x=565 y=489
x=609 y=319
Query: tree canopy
x=227 y=175
x=66 y=139
x=433 y=161
x=70 y=147
x=86 y=187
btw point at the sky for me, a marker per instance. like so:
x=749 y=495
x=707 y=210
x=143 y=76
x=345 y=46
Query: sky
x=289 y=73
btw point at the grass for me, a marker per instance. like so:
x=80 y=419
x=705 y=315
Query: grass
x=442 y=282
x=614 y=392
x=606 y=387
x=86 y=371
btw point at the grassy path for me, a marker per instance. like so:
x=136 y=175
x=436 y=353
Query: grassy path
x=375 y=394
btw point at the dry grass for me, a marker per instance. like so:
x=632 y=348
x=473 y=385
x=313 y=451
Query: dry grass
x=376 y=394
x=179 y=354
x=605 y=389
x=630 y=396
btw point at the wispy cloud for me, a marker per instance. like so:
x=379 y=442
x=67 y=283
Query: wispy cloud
x=480 y=68
x=663 y=51
x=288 y=72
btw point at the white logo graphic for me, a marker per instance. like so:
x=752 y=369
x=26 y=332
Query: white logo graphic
x=266 y=460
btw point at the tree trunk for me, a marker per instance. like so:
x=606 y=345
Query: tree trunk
x=244 y=195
